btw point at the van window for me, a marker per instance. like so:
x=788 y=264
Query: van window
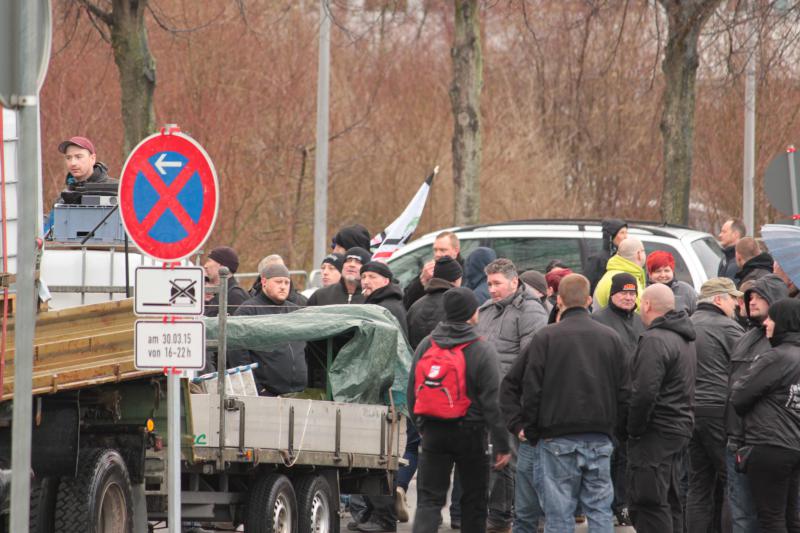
x=710 y=253
x=535 y=253
x=409 y=265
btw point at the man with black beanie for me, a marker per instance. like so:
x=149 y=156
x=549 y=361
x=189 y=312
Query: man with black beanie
x=462 y=441
x=348 y=290
x=377 y=287
x=331 y=269
x=219 y=257
x=428 y=311
x=621 y=316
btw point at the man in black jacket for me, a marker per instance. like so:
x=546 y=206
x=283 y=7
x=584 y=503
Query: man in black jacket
x=219 y=257
x=348 y=290
x=462 y=441
x=615 y=231
x=377 y=287
x=757 y=299
x=621 y=316
x=732 y=230
x=445 y=244
x=574 y=397
x=661 y=412
x=717 y=333
x=428 y=311
x=282 y=368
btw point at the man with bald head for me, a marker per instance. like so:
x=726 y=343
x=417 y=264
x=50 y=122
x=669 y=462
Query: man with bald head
x=630 y=258
x=661 y=415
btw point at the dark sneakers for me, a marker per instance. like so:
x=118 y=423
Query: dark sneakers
x=375 y=527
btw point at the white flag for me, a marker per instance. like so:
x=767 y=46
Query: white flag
x=399 y=232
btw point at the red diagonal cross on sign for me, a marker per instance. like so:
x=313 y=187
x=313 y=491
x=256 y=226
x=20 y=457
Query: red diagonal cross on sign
x=169 y=197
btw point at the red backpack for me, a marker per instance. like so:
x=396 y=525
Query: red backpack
x=440 y=382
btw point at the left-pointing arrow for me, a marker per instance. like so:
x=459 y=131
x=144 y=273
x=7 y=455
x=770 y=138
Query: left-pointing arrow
x=161 y=164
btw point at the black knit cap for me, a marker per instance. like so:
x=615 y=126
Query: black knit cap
x=352 y=236
x=623 y=282
x=379 y=268
x=358 y=253
x=447 y=268
x=225 y=256
x=337 y=260
x=460 y=304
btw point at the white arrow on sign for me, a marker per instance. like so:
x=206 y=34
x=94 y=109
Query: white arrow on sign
x=161 y=164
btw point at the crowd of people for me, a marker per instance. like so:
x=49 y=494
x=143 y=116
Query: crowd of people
x=631 y=400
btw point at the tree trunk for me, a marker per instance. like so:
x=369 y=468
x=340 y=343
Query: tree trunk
x=137 y=70
x=465 y=99
x=685 y=19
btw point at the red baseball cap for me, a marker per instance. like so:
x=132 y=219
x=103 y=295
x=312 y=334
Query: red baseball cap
x=82 y=142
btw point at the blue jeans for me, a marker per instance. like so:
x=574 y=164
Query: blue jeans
x=576 y=469
x=740 y=498
x=528 y=511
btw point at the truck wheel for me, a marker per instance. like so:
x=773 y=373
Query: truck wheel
x=272 y=506
x=43 y=504
x=99 y=499
x=315 y=505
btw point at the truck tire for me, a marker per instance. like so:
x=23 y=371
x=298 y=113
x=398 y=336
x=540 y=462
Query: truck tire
x=315 y=506
x=43 y=504
x=99 y=499
x=272 y=506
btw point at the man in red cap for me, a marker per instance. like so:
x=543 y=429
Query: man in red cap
x=81 y=162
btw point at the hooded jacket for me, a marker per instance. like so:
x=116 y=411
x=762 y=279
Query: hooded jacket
x=616 y=265
x=663 y=377
x=281 y=368
x=753 y=343
x=755 y=268
x=483 y=379
x=414 y=290
x=768 y=394
x=596 y=264
x=427 y=312
x=390 y=297
x=717 y=334
x=336 y=294
x=474 y=275
x=575 y=380
x=509 y=325
x=627 y=324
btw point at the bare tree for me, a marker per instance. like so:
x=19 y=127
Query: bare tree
x=685 y=21
x=123 y=26
x=465 y=99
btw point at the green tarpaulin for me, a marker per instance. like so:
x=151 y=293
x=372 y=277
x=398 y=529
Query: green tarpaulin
x=377 y=357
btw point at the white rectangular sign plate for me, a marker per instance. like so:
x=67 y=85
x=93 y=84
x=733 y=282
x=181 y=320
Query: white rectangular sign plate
x=180 y=344
x=169 y=291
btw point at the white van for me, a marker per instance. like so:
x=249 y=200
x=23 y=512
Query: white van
x=531 y=244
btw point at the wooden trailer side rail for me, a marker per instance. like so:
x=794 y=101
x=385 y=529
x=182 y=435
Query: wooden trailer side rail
x=79 y=347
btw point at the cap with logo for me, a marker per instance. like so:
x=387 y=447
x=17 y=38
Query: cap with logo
x=623 y=282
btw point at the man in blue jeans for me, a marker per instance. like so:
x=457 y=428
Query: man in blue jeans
x=574 y=392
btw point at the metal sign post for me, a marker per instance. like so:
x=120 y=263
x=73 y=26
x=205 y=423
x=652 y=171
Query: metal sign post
x=168 y=201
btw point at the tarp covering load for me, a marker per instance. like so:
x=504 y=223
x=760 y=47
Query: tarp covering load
x=375 y=358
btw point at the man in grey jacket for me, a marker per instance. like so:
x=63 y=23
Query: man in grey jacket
x=508 y=321
x=717 y=333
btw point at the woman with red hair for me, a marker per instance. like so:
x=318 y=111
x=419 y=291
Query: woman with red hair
x=661 y=269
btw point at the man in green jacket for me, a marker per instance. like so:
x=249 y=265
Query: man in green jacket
x=630 y=258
